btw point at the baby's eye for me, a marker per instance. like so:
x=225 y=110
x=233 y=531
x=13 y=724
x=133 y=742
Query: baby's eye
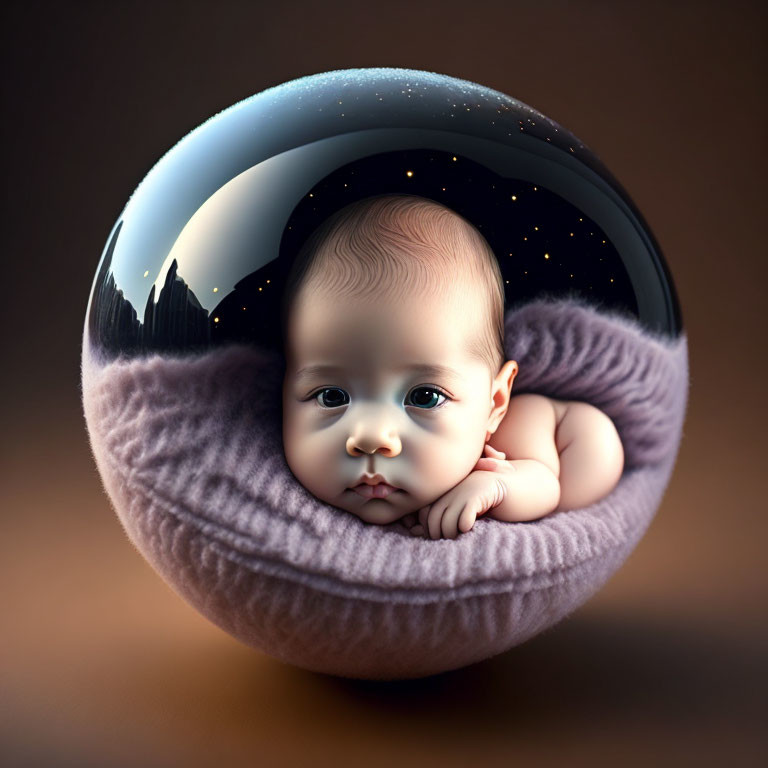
x=426 y=397
x=335 y=399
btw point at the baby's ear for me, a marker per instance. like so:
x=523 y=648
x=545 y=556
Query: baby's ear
x=500 y=394
x=506 y=376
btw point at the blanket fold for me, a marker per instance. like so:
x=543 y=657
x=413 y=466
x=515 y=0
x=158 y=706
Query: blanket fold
x=190 y=452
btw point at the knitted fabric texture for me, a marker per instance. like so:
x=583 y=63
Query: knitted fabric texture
x=190 y=452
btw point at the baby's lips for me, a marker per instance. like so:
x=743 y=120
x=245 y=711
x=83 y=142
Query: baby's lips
x=379 y=491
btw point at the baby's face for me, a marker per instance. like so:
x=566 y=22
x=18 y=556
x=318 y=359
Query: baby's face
x=374 y=408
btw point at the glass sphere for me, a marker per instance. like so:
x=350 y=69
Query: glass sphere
x=200 y=254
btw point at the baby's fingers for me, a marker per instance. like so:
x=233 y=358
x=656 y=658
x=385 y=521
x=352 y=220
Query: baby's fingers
x=434 y=519
x=492 y=465
x=449 y=524
x=467 y=518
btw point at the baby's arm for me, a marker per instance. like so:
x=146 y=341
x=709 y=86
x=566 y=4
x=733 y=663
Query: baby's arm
x=575 y=441
x=525 y=487
x=530 y=471
x=562 y=455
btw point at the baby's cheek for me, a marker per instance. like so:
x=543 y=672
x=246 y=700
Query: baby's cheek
x=315 y=460
x=297 y=442
x=446 y=463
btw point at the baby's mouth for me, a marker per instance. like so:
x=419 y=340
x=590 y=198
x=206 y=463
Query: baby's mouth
x=378 y=491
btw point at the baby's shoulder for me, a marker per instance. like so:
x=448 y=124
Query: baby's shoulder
x=535 y=404
x=528 y=430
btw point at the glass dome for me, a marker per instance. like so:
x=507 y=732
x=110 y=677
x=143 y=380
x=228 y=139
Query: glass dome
x=199 y=256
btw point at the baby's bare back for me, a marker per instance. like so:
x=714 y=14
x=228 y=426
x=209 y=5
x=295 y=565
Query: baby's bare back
x=575 y=440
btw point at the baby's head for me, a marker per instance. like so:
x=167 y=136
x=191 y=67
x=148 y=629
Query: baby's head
x=393 y=322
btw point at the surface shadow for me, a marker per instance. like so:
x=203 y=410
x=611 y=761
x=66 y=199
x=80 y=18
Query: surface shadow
x=586 y=668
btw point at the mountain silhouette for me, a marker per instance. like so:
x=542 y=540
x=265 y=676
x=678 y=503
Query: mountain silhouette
x=175 y=322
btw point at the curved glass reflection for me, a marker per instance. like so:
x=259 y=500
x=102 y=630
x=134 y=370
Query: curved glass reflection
x=200 y=254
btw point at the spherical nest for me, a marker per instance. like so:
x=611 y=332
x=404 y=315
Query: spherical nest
x=183 y=366
x=190 y=451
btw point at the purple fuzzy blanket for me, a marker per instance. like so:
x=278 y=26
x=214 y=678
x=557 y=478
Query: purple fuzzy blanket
x=190 y=453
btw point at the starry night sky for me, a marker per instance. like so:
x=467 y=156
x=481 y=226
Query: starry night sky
x=407 y=128
x=545 y=245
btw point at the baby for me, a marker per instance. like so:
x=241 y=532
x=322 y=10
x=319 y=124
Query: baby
x=397 y=398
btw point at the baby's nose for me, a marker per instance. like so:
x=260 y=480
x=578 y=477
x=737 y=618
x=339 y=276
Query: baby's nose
x=385 y=442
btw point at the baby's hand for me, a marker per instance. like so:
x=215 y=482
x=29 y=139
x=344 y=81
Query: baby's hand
x=409 y=521
x=492 y=460
x=456 y=511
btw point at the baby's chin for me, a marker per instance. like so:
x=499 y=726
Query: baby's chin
x=377 y=511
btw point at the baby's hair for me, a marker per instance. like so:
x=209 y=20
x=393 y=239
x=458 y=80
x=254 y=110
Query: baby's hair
x=375 y=245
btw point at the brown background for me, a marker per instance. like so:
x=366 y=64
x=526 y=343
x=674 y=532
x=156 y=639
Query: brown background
x=103 y=665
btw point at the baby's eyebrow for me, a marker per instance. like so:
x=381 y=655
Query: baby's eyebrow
x=439 y=371
x=436 y=370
